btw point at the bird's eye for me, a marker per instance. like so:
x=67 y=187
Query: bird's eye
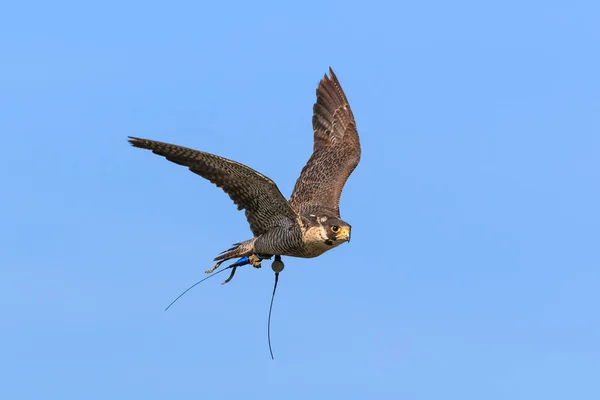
x=335 y=228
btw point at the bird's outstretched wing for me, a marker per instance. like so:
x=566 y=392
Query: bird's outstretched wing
x=264 y=204
x=336 y=150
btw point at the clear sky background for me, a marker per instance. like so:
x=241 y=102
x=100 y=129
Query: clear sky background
x=473 y=270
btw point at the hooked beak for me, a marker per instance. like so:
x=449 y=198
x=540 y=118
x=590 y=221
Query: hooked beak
x=344 y=234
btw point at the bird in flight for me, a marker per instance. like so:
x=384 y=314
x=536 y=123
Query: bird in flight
x=307 y=225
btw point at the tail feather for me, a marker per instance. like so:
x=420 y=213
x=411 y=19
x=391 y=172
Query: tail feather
x=238 y=250
x=233 y=247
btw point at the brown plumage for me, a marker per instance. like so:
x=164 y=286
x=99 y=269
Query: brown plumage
x=309 y=224
x=250 y=190
x=336 y=151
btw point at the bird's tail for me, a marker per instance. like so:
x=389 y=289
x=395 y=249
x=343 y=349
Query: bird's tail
x=238 y=250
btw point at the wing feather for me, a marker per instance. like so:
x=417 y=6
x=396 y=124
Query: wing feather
x=264 y=204
x=336 y=150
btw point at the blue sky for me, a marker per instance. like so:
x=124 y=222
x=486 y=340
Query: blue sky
x=473 y=267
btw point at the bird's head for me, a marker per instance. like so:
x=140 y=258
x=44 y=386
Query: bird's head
x=336 y=230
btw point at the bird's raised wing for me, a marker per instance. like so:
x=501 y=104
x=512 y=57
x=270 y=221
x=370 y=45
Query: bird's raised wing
x=264 y=204
x=336 y=150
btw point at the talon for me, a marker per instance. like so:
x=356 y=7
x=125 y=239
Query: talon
x=255 y=260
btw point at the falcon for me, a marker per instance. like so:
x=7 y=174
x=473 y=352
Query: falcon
x=307 y=225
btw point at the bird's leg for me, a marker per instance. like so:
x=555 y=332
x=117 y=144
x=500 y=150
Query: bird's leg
x=252 y=259
x=255 y=259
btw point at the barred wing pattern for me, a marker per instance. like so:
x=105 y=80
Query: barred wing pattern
x=336 y=150
x=265 y=206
